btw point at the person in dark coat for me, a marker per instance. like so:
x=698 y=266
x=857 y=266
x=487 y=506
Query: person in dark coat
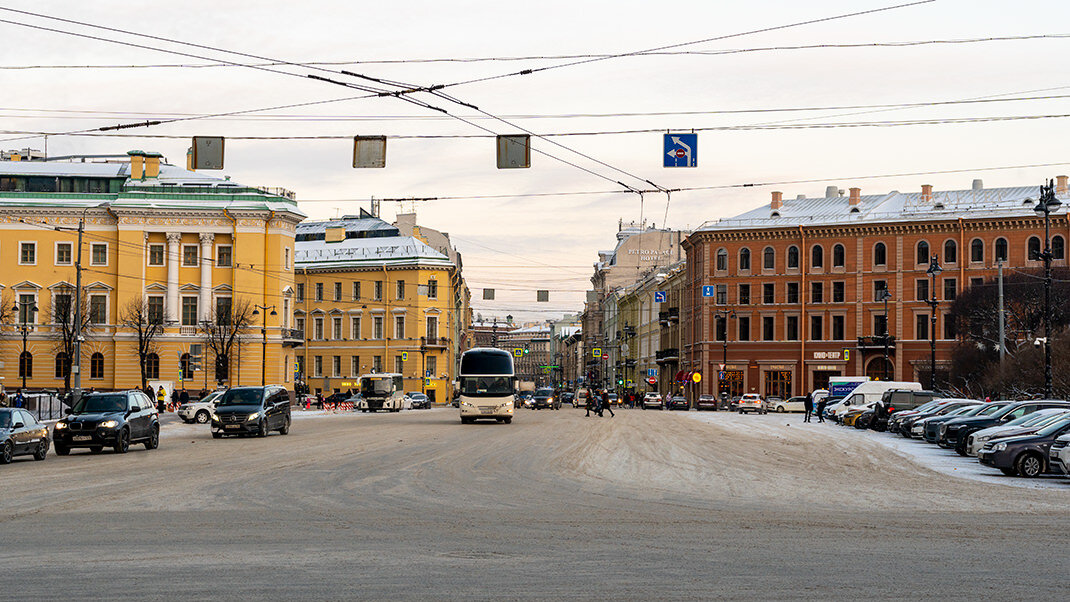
x=821 y=409
x=808 y=407
x=183 y=397
x=605 y=404
x=590 y=403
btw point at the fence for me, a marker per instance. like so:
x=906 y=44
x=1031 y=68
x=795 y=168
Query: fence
x=46 y=405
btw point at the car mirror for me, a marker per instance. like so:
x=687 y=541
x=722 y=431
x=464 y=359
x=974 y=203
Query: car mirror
x=18 y=425
x=135 y=409
x=67 y=411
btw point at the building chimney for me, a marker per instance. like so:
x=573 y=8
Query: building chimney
x=801 y=197
x=832 y=192
x=152 y=165
x=778 y=200
x=978 y=184
x=856 y=197
x=1061 y=185
x=137 y=164
x=926 y=193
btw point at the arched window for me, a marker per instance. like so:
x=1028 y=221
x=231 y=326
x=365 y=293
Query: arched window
x=921 y=255
x=184 y=367
x=63 y=365
x=25 y=365
x=817 y=257
x=977 y=250
x=744 y=258
x=152 y=366
x=880 y=254
x=722 y=260
x=793 y=257
x=769 y=259
x=1033 y=248
x=96 y=365
x=839 y=256
x=1058 y=247
x=951 y=252
x=1001 y=249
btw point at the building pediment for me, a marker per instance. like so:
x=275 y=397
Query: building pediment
x=59 y=285
x=189 y=288
x=222 y=288
x=98 y=286
x=156 y=287
x=27 y=285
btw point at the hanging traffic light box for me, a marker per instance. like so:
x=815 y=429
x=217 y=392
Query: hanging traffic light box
x=514 y=151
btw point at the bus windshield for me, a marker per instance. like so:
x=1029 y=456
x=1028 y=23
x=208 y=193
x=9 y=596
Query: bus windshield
x=376 y=386
x=486 y=386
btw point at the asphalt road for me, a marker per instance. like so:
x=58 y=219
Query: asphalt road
x=646 y=505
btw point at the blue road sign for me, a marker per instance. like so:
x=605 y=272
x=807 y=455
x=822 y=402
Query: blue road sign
x=659 y=296
x=651 y=371
x=707 y=291
x=681 y=150
x=720 y=375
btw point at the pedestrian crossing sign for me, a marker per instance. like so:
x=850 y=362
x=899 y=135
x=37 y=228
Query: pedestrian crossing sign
x=518 y=352
x=404 y=356
x=596 y=352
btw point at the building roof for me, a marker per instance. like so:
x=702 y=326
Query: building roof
x=356 y=226
x=891 y=207
x=367 y=252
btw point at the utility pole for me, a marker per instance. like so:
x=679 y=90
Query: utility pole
x=1002 y=337
x=76 y=361
x=1048 y=204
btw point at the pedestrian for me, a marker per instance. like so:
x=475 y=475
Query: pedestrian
x=19 y=399
x=808 y=407
x=606 y=405
x=821 y=408
x=589 y=397
x=161 y=400
x=183 y=397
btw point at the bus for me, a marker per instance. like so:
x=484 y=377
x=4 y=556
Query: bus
x=488 y=385
x=385 y=391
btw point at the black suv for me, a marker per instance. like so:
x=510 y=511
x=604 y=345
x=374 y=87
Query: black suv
x=108 y=419
x=249 y=410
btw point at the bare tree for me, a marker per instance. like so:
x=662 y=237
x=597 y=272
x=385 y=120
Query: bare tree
x=148 y=326
x=62 y=313
x=223 y=331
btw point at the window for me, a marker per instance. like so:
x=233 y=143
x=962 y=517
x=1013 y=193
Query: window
x=61 y=308
x=399 y=327
x=432 y=327
x=399 y=364
x=336 y=366
x=377 y=363
x=354 y=366
x=838 y=328
x=223 y=256
x=722 y=294
x=721 y=327
x=1001 y=249
x=817 y=292
x=354 y=328
x=744 y=328
x=185 y=371
x=378 y=291
x=921 y=289
x=401 y=290
x=432 y=289
x=189 y=311
x=98 y=309
x=63 y=365
x=791 y=328
x=189 y=255
x=155 y=309
x=949 y=327
x=921 y=253
x=977 y=250
x=336 y=328
x=767 y=328
x=839 y=256
x=300 y=292
x=793 y=292
x=156 y=255
x=98 y=253
x=880 y=254
x=768 y=259
x=880 y=324
x=722 y=260
x=817 y=257
x=816 y=328
x=28 y=253
x=431 y=366
x=922 y=322
x=1033 y=248
x=317 y=328
x=744 y=294
x=222 y=310
x=25 y=365
x=337 y=291
x=951 y=252
x=377 y=327
x=793 y=257
x=950 y=289
x=317 y=365
x=286 y=258
x=64 y=255
x=319 y=291
x=768 y=293
x=299 y=324
x=152 y=366
x=356 y=291
x=286 y=315
x=744 y=259
x=976 y=282
x=1058 y=247
x=96 y=365
x=879 y=287
x=839 y=290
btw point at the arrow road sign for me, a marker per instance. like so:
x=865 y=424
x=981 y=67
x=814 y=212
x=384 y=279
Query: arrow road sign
x=681 y=150
x=707 y=291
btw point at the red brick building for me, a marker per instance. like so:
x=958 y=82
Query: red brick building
x=797 y=283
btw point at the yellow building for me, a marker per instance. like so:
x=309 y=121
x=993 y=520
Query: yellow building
x=177 y=254
x=372 y=300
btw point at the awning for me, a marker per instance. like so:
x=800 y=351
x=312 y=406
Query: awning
x=680 y=376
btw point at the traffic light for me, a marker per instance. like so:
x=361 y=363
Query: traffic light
x=525 y=349
x=620 y=382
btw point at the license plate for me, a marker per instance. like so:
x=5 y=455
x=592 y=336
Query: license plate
x=82 y=438
x=232 y=426
x=486 y=410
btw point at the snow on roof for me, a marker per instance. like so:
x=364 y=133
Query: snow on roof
x=358 y=252
x=351 y=224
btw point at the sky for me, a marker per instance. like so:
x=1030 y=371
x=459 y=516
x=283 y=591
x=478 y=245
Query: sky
x=532 y=237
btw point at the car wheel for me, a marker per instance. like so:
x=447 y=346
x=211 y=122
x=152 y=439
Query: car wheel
x=960 y=450
x=780 y=409
x=96 y=449
x=154 y=438
x=1029 y=465
x=285 y=429
x=262 y=431
x=217 y=435
x=1010 y=472
x=62 y=450
x=122 y=442
x=42 y=451
x=7 y=452
x=202 y=417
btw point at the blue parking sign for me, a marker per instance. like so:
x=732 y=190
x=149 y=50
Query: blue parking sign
x=681 y=150
x=707 y=291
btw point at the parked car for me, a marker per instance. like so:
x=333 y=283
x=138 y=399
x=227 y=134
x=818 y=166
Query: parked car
x=706 y=402
x=984 y=409
x=653 y=400
x=960 y=429
x=1024 y=455
x=751 y=402
x=679 y=402
x=792 y=404
x=897 y=400
x=895 y=420
x=930 y=427
x=568 y=397
x=108 y=419
x=21 y=435
x=252 y=410
x=917 y=423
x=419 y=401
x=1028 y=424
x=199 y=411
x=1059 y=454
x=771 y=401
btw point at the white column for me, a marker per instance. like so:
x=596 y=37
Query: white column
x=173 y=309
x=206 y=275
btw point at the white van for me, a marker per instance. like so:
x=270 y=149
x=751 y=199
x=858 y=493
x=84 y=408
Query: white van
x=869 y=393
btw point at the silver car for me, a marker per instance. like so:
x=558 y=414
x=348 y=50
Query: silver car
x=199 y=411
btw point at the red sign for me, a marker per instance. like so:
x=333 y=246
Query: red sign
x=652 y=380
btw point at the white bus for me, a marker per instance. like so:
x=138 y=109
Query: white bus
x=488 y=385
x=384 y=391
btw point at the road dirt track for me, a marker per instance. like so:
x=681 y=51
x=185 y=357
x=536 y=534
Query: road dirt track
x=646 y=505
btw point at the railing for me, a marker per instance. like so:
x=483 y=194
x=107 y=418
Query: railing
x=666 y=355
x=876 y=342
x=187 y=331
x=293 y=335
x=433 y=341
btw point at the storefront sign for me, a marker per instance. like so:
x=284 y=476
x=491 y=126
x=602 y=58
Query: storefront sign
x=826 y=355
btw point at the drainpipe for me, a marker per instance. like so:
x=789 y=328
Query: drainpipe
x=803 y=324
x=233 y=245
x=264 y=292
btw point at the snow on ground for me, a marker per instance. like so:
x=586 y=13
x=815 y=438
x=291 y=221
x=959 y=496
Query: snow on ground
x=919 y=452
x=174 y=427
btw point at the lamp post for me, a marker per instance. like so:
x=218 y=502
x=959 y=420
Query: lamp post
x=26 y=310
x=263 y=331
x=725 y=315
x=934 y=269
x=885 y=296
x=1048 y=204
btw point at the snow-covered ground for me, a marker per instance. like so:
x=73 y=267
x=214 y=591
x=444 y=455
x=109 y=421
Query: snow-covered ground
x=177 y=428
x=924 y=454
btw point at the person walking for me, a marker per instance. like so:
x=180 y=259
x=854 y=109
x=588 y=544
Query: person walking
x=808 y=407
x=821 y=408
x=183 y=397
x=161 y=400
x=606 y=404
x=19 y=399
x=590 y=403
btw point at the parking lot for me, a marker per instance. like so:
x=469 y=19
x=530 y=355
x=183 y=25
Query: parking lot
x=664 y=505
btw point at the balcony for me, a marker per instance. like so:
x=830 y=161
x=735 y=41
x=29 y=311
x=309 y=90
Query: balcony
x=187 y=331
x=666 y=356
x=663 y=319
x=434 y=342
x=293 y=337
x=876 y=342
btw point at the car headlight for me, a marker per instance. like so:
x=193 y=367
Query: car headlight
x=215 y=417
x=60 y=426
x=109 y=424
x=1000 y=447
x=253 y=416
x=466 y=404
x=982 y=438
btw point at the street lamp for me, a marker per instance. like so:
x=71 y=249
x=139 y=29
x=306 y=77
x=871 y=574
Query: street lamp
x=885 y=296
x=24 y=313
x=263 y=331
x=725 y=315
x=934 y=269
x=1048 y=204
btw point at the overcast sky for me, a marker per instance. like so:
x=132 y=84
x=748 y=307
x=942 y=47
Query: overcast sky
x=510 y=243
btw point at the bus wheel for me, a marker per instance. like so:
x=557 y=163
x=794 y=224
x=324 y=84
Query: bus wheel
x=508 y=420
x=466 y=420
